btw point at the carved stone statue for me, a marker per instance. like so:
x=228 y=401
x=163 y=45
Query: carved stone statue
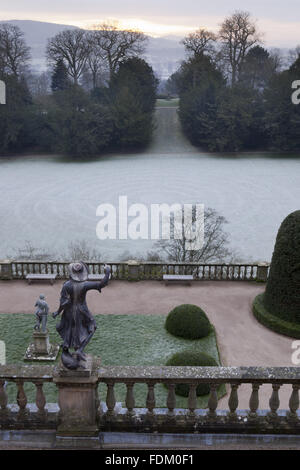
x=77 y=324
x=41 y=313
x=40 y=349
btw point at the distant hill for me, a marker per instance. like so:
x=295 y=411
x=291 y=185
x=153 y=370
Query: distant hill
x=164 y=54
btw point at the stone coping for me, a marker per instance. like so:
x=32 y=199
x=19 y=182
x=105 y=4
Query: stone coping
x=161 y=373
x=202 y=374
x=27 y=372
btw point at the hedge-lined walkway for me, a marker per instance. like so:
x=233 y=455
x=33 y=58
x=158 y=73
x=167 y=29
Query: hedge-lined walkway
x=242 y=340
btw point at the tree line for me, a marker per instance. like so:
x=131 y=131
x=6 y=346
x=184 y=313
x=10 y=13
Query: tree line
x=99 y=95
x=235 y=94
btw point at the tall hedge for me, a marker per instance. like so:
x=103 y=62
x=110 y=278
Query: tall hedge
x=282 y=296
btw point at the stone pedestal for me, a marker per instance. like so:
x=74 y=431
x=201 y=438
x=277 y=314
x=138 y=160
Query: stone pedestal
x=262 y=272
x=133 y=270
x=5 y=270
x=41 y=349
x=41 y=343
x=78 y=403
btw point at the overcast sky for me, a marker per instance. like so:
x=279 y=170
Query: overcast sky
x=279 y=19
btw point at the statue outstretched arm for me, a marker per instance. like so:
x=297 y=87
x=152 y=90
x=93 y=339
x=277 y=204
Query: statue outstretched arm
x=100 y=284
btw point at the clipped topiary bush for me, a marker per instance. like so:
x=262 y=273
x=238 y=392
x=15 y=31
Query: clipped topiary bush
x=191 y=358
x=281 y=299
x=188 y=321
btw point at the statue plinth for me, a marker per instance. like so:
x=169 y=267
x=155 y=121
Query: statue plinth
x=78 y=401
x=85 y=368
x=41 y=349
x=41 y=343
x=133 y=270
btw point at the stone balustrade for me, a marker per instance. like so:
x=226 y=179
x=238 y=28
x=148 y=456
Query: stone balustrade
x=111 y=416
x=22 y=415
x=136 y=270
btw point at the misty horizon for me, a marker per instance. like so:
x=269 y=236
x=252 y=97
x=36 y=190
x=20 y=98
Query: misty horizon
x=277 y=21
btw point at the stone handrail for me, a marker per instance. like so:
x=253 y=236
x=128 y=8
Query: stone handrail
x=108 y=416
x=185 y=374
x=146 y=270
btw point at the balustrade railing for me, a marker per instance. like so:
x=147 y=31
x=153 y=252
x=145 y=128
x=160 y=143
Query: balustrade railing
x=22 y=415
x=147 y=270
x=111 y=417
x=192 y=419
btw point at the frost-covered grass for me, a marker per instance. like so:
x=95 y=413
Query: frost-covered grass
x=119 y=340
x=162 y=103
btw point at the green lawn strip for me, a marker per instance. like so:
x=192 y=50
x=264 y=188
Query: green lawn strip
x=119 y=340
x=160 y=103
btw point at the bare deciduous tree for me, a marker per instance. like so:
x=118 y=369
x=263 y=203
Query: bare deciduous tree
x=73 y=47
x=30 y=253
x=292 y=56
x=113 y=44
x=95 y=66
x=14 y=53
x=39 y=84
x=238 y=34
x=199 y=42
x=215 y=246
x=277 y=60
x=80 y=250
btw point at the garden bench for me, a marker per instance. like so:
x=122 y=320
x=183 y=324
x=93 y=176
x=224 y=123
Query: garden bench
x=97 y=277
x=185 y=278
x=41 y=277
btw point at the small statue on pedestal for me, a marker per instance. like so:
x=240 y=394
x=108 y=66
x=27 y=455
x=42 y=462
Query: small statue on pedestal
x=41 y=349
x=77 y=324
x=41 y=314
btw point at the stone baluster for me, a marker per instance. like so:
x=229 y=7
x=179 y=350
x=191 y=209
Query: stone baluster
x=21 y=400
x=110 y=400
x=254 y=403
x=99 y=410
x=171 y=401
x=150 y=401
x=40 y=400
x=3 y=399
x=274 y=403
x=239 y=273
x=212 y=402
x=233 y=402
x=192 y=400
x=130 y=401
x=294 y=404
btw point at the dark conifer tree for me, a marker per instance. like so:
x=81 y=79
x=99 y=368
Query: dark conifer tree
x=60 y=80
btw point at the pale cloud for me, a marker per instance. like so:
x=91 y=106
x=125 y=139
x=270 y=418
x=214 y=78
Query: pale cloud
x=279 y=33
x=161 y=27
x=160 y=17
